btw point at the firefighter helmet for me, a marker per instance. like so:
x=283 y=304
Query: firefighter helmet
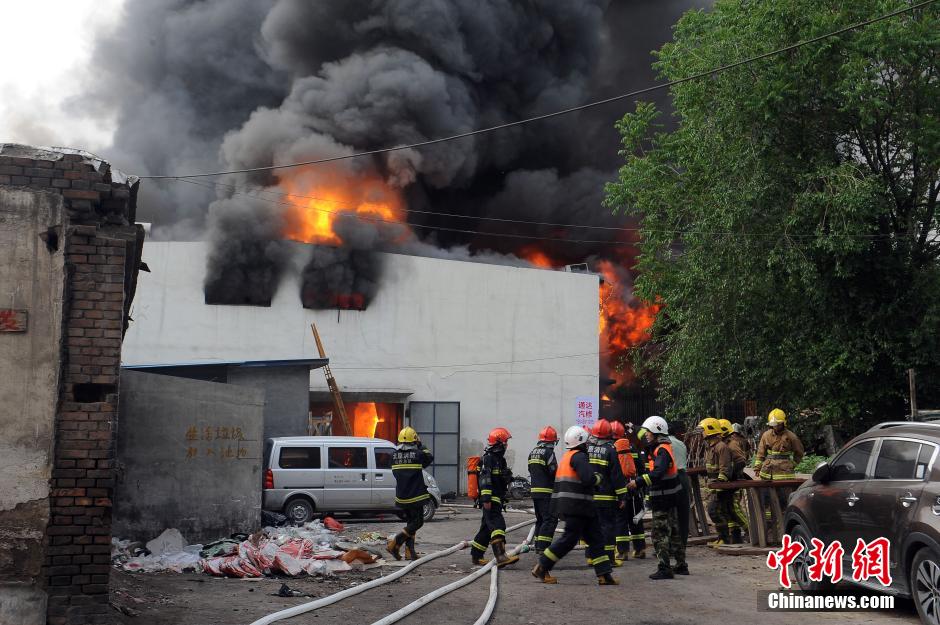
x=618 y=430
x=602 y=430
x=725 y=426
x=498 y=435
x=408 y=435
x=710 y=427
x=656 y=425
x=776 y=417
x=548 y=435
x=575 y=436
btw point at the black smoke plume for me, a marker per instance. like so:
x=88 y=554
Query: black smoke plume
x=203 y=85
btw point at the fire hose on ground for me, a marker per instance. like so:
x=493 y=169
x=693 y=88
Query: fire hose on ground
x=349 y=592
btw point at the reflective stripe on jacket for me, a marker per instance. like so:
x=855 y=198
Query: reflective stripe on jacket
x=494 y=476
x=408 y=464
x=604 y=461
x=542 y=468
x=574 y=485
x=778 y=455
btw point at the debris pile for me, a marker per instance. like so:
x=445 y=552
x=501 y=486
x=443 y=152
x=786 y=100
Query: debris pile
x=313 y=549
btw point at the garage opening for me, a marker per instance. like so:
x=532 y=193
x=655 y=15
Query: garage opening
x=372 y=419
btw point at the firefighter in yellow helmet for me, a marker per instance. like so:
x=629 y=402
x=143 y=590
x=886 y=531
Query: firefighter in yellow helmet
x=778 y=453
x=737 y=445
x=411 y=493
x=718 y=468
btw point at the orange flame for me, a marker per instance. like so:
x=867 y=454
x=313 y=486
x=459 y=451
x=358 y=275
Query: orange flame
x=537 y=257
x=365 y=419
x=622 y=324
x=318 y=198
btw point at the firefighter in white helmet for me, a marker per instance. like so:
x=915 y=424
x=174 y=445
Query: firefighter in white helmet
x=573 y=501
x=662 y=478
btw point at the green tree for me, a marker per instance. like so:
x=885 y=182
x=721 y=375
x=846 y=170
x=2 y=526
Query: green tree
x=789 y=221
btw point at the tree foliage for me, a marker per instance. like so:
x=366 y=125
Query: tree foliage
x=789 y=222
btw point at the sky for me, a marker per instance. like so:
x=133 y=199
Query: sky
x=46 y=47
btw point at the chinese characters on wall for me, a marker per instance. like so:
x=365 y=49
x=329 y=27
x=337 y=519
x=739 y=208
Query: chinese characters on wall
x=222 y=442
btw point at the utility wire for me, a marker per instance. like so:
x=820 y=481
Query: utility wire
x=371 y=219
x=566 y=111
x=341 y=203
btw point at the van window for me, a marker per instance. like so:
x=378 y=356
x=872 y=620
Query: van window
x=383 y=457
x=851 y=464
x=299 y=458
x=347 y=457
x=897 y=460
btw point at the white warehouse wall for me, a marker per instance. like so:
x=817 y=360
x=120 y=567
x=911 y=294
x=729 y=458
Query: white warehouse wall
x=515 y=346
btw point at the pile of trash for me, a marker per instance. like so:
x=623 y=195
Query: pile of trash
x=313 y=549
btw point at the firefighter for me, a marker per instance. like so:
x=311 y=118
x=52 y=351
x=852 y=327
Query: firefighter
x=573 y=501
x=778 y=453
x=611 y=493
x=737 y=445
x=411 y=492
x=542 y=467
x=495 y=477
x=680 y=454
x=629 y=518
x=662 y=478
x=718 y=468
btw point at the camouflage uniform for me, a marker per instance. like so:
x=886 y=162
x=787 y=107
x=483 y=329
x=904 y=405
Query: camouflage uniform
x=667 y=541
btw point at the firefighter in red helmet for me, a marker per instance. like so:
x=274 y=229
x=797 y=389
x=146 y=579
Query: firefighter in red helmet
x=611 y=493
x=542 y=468
x=495 y=478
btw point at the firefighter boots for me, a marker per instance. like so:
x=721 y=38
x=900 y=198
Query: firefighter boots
x=639 y=554
x=542 y=575
x=736 y=536
x=607 y=580
x=410 y=552
x=499 y=552
x=393 y=546
x=478 y=561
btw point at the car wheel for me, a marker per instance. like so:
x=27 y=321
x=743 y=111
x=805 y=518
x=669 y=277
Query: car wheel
x=427 y=511
x=925 y=585
x=799 y=570
x=299 y=511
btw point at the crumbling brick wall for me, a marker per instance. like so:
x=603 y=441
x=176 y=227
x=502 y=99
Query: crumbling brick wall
x=102 y=248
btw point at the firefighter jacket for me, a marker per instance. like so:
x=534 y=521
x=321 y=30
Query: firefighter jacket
x=573 y=495
x=718 y=464
x=408 y=464
x=662 y=475
x=542 y=468
x=612 y=486
x=778 y=455
x=495 y=475
x=738 y=446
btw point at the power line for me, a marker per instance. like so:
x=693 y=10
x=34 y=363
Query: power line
x=566 y=111
x=370 y=219
x=409 y=210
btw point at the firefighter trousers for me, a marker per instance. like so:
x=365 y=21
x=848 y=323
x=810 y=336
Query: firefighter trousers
x=492 y=528
x=630 y=533
x=607 y=520
x=545 y=523
x=413 y=516
x=577 y=527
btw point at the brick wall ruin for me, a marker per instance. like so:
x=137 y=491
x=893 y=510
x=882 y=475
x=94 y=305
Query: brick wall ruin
x=60 y=549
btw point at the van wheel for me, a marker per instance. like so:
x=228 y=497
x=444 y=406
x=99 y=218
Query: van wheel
x=799 y=570
x=427 y=511
x=925 y=585
x=299 y=511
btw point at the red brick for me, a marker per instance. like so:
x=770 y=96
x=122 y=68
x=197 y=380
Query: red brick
x=72 y=453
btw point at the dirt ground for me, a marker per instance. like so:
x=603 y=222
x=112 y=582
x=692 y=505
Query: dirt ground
x=722 y=589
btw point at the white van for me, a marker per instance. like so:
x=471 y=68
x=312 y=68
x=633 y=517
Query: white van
x=308 y=475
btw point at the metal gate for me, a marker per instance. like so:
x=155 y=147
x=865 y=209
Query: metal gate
x=438 y=425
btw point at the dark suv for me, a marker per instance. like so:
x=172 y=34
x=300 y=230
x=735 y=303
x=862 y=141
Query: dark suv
x=883 y=483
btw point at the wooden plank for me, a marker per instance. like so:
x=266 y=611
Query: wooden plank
x=758 y=524
x=773 y=484
x=12 y=320
x=701 y=525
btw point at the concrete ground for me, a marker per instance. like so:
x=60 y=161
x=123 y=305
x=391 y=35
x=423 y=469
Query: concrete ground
x=722 y=589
